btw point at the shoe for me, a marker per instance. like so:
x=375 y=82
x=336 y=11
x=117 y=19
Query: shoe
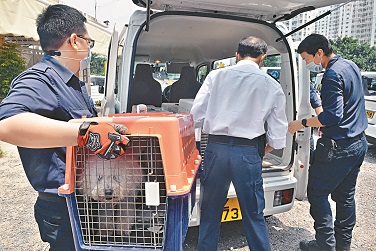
x=310 y=246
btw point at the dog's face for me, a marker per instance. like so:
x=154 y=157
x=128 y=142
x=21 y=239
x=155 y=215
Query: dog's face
x=110 y=180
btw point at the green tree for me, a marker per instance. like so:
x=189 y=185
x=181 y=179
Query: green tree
x=97 y=64
x=11 y=64
x=272 y=61
x=363 y=54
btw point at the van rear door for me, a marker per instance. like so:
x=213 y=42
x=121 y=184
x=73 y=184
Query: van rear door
x=198 y=32
x=266 y=10
x=108 y=103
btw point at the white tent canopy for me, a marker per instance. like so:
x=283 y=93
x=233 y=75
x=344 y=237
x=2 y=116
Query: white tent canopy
x=18 y=18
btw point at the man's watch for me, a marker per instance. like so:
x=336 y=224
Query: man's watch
x=304 y=122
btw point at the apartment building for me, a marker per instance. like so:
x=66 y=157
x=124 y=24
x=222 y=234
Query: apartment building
x=356 y=19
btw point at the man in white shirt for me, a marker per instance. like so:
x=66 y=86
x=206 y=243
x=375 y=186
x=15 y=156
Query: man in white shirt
x=237 y=106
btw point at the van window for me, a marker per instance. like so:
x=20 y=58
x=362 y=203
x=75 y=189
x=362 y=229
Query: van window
x=222 y=63
x=369 y=82
x=272 y=61
x=202 y=73
x=97 y=80
x=271 y=65
x=274 y=72
x=166 y=73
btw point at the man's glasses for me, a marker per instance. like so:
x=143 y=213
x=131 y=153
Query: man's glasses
x=89 y=40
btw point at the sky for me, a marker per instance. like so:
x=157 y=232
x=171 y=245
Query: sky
x=115 y=11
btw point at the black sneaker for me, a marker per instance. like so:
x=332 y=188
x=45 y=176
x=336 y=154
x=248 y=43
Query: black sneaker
x=310 y=246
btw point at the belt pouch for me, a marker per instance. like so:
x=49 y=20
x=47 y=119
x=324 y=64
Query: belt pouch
x=325 y=149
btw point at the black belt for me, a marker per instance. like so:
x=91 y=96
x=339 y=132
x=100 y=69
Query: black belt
x=358 y=137
x=50 y=197
x=224 y=139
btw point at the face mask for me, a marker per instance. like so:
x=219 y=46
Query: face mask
x=314 y=67
x=84 y=72
x=84 y=63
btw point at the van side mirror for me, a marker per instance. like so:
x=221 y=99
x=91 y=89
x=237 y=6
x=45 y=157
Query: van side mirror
x=101 y=89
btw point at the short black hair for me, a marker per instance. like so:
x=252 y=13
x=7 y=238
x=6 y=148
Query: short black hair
x=56 y=23
x=313 y=43
x=252 y=47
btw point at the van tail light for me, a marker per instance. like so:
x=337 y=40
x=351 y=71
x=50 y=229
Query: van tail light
x=283 y=197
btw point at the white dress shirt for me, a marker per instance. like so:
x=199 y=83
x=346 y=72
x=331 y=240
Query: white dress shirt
x=239 y=101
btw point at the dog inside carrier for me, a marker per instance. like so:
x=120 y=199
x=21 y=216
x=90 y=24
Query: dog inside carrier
x=141 y=199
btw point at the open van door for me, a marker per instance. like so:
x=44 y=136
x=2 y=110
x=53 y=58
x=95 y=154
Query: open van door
x=266 y=10
x=304 y=109
x=174 y=34
x=108 y=102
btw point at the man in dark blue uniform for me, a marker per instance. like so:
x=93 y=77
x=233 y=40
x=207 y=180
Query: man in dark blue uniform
x=33 y=116
x=341 y=149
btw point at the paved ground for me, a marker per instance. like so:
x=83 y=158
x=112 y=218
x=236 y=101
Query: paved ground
x=18 y=229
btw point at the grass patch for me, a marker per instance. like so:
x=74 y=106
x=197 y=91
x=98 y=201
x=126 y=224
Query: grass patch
x=2 y=153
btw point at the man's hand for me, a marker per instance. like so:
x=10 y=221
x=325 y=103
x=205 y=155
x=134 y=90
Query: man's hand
x=103 y=139
x=268 y=149
x=295 y=126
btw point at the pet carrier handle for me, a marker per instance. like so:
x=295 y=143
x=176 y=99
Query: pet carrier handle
x=102 y=139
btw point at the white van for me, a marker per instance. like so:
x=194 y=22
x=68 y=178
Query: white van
x=369 y=83
x=200 y=33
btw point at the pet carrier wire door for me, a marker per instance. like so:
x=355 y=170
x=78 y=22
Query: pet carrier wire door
x=142 y=199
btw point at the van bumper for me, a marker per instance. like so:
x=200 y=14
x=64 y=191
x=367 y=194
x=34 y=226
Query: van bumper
x=271 y=185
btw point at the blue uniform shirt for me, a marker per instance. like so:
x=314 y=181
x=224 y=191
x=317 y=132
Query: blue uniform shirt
x=313 y=97
x=342 y=97
x=51 y=90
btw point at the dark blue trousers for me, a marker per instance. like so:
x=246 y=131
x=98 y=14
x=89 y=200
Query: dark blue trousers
x=54 y=224
x=241 y=165
x=335 y=175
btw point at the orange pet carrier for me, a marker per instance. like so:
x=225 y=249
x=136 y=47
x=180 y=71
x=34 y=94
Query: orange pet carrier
x=141 y=200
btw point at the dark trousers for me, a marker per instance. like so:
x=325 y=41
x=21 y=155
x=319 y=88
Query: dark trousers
x=334 y=173
x=226 y=162
x=54 y=224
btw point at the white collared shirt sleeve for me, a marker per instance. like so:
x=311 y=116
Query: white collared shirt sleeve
x=200 y=103
x=277 y=123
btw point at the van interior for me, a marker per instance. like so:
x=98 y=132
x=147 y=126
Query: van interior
x=172 y=59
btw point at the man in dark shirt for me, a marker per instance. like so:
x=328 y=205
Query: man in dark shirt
x=341 y=149
x=33 y=116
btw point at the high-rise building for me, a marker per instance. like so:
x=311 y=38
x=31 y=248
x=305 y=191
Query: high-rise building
x=356 y=19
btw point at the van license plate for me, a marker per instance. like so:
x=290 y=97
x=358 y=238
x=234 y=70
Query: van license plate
x=370 y=114
x=231 y=211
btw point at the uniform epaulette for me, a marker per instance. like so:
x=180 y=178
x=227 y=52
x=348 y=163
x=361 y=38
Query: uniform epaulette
x=42 y=67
